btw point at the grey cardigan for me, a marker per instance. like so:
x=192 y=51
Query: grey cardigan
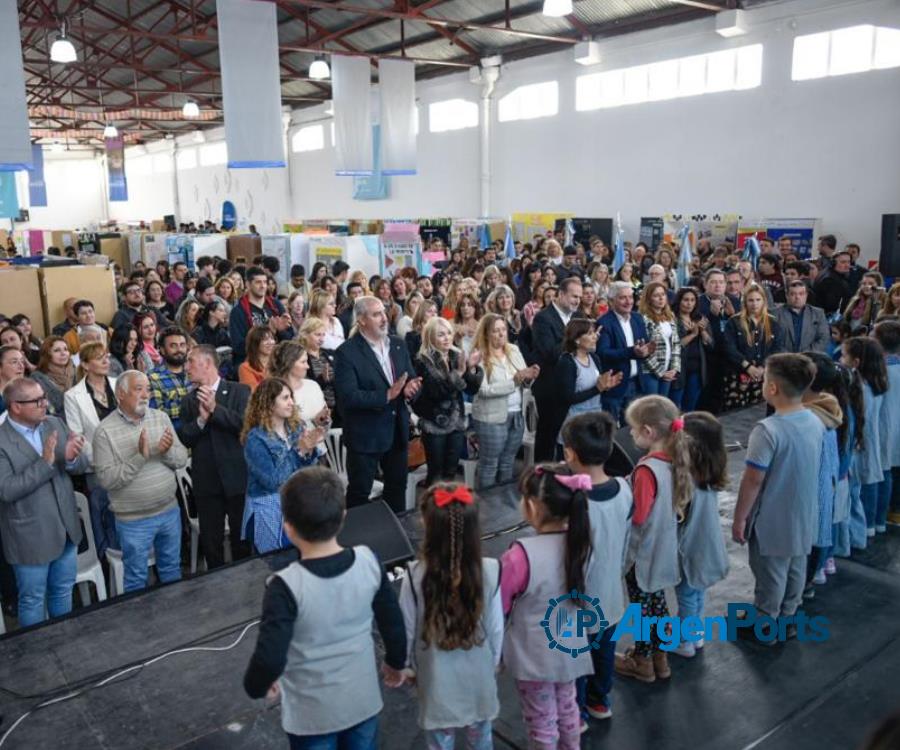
x=37 y=501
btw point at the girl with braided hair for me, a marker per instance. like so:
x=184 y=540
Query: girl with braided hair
x=538 y=569
x=454 y=622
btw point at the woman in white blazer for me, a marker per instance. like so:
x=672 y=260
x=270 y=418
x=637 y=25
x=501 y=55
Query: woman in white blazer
x=87 y=403
x=497 y=407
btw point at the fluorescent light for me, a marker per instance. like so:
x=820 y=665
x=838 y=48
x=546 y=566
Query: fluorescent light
x=587 y=53
x=319 y=70
x=557 y=8
x=62 y=50
x=110 y=131
x=731 y=23
x=190 y=109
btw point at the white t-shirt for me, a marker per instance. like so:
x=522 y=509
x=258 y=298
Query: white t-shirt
x=629 y=339
x=665 y=328
x=334 y=336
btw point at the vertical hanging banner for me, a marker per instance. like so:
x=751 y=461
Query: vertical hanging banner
x=251 y=87
x=375 y=186
x=15 y=136
x=37 y=188
x=397 y=87
x=350 y=83
x=115 y=166
x=9 y=201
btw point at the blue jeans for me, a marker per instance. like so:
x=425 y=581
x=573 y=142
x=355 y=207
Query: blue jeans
x=363 y=736
x=498 y=444
x=652 y=385
x=162 y=533
x=47 y=586
x=596 y=687
x=869 y=494
x=616 y=405
x=687 y=396
x=690 y=600
x=478 y=737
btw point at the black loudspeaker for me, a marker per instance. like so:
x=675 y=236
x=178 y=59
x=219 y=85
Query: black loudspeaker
x=889 y=260
x=375 y=525
x=625 y=454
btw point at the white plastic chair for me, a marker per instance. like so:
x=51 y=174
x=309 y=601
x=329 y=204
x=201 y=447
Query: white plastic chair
x=337 y=459
x=117 y=570
x=89 y=569
x=530 y=414
x=183 y=488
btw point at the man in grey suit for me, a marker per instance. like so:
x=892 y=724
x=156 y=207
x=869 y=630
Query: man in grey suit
x=805 y=327
x=38 y=515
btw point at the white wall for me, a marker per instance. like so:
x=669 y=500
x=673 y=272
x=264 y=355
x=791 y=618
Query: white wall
x=825 y=148
x=75 y=192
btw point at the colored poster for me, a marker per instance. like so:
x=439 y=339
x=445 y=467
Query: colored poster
x=37 y=188
x=672 y=226
x=115 y=166
x=36 y=241
x=802 y=233
x=526 y=225
x=719 y=230
x=401 y=247
x=651 y=232
x=180 y=247
x=9 y=200
x=748 y=228
x=375 y=186
x=326 y=249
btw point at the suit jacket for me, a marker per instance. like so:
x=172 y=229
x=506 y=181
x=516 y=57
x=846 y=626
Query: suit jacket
x=614 y=349
x=547 y=331
x=37 y=501
x=81 y=415
x=815 y=333
x=217 y=456
x=371 y=424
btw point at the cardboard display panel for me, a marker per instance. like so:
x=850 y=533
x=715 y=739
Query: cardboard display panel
x=84 y=282
x=20 y=291
x=244 y=245
x=116 y=249
x=63 y=239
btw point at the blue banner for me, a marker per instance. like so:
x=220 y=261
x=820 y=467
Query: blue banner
x=37 y=188
x=9 y=201
x=115 y=165
x=229 y=215
x=372 y=187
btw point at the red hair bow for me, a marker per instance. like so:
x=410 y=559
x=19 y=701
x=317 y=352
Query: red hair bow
x=461 y=493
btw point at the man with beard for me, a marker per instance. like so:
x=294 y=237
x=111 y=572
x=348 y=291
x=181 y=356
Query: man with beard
x=717 y=306
x=168 y=381
x=136 y=455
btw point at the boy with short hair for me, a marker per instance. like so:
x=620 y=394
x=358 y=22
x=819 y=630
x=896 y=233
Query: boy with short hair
x=777 y=504
x=587 y=446
x=887 y=333
x=315 y=643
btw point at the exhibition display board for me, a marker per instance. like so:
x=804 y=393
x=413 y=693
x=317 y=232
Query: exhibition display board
x=20 y=291
x=95 y=283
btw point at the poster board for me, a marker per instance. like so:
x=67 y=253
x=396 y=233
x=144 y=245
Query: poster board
x=651 y=232
x=326 y=249
x=21 y=293
x=279 y=246
x=96 y=283
x=718 y=229
x=300 y=251
x=243 y=245
x=363 y=253
x=750 y=228
x=117 y=250
x=180 y=248
x=526 y=225
x=802 y=233
x=400 y=247
x=63 y=239
x=153 y=248
x=210 y=244
x=135 y=241
x=585 y=228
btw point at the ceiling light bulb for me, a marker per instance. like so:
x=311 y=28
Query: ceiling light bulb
x=190 y=109
x=319 y=70
x=62 y=50
x=557 y=8
x=110 y=131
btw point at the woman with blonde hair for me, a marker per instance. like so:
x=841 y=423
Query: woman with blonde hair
x=863 y=308
x=321 y=362
x=186 y=319
x=497 y=413
x=275 y=446
x=226 y=291
x=260 y=345
x=322 y=306
x=359 y=277
x=446 y=374
x=490 y=281
x=451 y=298
x=501 y=301
x=404 y=325
x=661 y=368
x=55 y=372
x=750 y=336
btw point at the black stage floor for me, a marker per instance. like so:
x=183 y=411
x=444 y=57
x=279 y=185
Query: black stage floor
x=733 y=695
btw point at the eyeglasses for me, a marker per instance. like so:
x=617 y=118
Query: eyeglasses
x=42 y=401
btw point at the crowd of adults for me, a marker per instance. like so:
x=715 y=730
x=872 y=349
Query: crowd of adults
x=226 y=372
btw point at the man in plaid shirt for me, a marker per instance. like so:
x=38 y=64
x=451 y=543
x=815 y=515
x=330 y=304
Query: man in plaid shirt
x=168 y=381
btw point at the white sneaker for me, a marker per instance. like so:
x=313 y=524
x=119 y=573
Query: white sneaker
x=881 y=528
x=699 y=644
x=870 y=532
x=819 y=577
x=685 y=649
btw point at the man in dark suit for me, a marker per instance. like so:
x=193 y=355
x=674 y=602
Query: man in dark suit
x=212 y=416
x=804 y=326
x=717 y=306
x=373 y=380
x=623 y=341
x=38 y=514
x=547 y=331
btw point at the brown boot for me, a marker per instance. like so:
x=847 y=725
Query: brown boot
x=632 y=665
x=661 y=665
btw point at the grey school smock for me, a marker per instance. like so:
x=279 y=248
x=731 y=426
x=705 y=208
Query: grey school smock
x=330 y=681
x=610 y=525
x=653 y=546
x=526 y=653
x=701 y=545
x=890 y=418
x=459 y=687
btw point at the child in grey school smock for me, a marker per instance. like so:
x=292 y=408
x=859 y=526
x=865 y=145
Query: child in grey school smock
x=455 y=688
